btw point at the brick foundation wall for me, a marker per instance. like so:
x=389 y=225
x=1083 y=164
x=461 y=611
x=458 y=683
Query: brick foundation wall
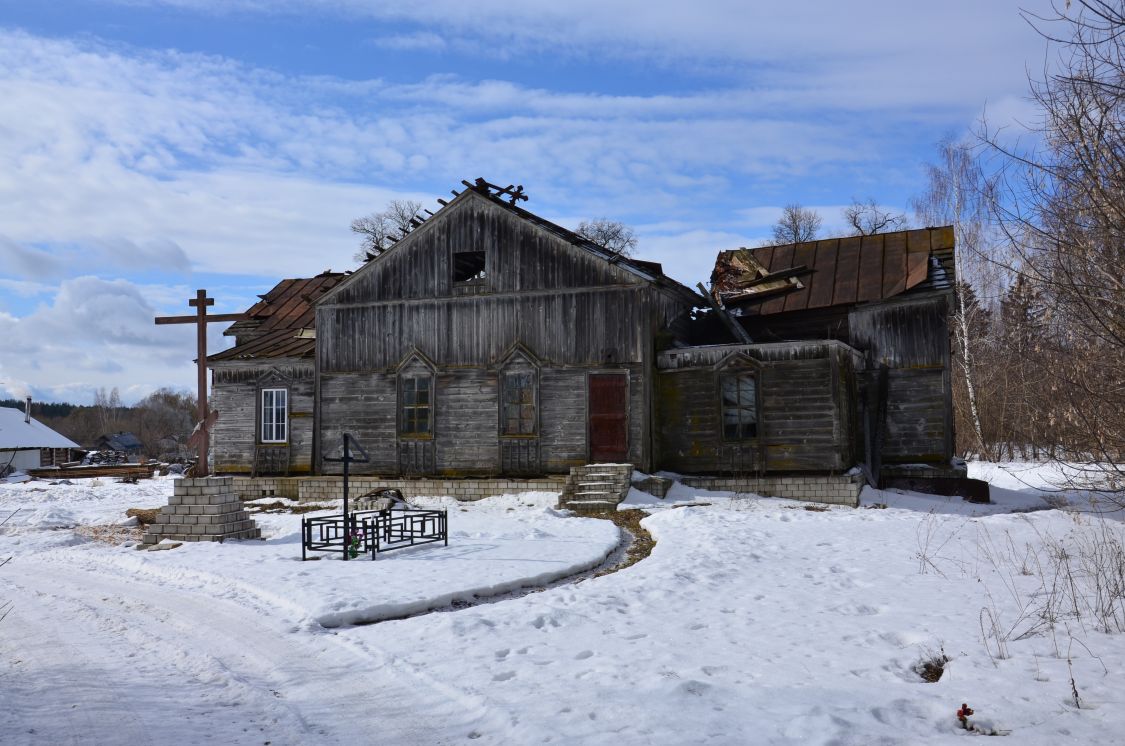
x=312 y=489
x=836 y=489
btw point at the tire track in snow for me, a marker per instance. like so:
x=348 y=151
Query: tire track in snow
x=189 y=659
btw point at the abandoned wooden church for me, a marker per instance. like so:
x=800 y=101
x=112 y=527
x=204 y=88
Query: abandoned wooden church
x=490 y=342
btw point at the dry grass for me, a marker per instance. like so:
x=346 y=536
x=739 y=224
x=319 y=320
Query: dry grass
x=932 y=666
x=115 y=535
x=279 y=507
x=144 y=516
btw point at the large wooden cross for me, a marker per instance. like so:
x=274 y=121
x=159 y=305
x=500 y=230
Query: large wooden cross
x=201 y=435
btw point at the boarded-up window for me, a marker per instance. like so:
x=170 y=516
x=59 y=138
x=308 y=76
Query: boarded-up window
x=740 y=406
x=416 y=405
x=275 y=416
x=468 y=267
x=518 y=416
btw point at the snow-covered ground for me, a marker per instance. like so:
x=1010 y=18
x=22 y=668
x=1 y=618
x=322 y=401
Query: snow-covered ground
x=754 y=621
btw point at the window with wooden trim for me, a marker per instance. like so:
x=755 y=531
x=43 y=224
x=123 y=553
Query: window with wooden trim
x=416 y=408
x=518 y=414
x=275 y=416
x=739 y=392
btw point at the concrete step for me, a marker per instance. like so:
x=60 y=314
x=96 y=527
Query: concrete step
x=592 y=506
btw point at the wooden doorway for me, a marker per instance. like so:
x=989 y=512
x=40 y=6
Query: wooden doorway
x=609 y=421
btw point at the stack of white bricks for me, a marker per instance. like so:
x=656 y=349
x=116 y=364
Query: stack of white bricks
x=203 y=509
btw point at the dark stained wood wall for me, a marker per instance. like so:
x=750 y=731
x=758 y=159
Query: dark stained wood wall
x=911 y=338
x=805 y=420
x=235 y=395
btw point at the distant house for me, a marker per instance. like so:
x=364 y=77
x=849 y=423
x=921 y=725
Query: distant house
x=489 y=341
x=24 y=441
x=120 y=442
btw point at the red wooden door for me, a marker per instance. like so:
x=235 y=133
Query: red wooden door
x=609 y=431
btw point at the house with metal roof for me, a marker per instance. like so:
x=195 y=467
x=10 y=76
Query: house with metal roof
x=23 y=438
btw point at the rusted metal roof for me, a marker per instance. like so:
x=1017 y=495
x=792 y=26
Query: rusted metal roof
x=834 y=271
x=273 y=324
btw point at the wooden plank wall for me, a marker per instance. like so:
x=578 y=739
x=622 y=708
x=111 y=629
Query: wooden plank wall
x=912 y=339
x=234 y=394
x=591 y=327
x=467 y=438
x=802 y=424
x=916 y=426
x=519 y=257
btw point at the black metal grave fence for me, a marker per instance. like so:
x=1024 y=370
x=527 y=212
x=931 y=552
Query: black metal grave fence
x=370 y=531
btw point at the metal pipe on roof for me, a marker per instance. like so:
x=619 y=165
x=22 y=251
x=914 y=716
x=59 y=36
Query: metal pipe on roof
x=27 y=410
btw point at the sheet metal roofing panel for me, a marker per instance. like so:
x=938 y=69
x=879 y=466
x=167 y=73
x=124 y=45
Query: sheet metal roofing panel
x=842 y=271
x=279 y=316
x=17 y=434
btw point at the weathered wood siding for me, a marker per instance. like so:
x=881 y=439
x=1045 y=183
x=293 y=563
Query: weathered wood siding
x=573 y=313
x=803 y=422
x=519 y=256
x=235 y=396
x=911 y=338
x=365 y=405
x=591 y=327
x=467 y=440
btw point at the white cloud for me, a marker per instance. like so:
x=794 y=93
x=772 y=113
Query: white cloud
x=27 y=262
x=97 y=333
x=422 y=41
x=166 y=157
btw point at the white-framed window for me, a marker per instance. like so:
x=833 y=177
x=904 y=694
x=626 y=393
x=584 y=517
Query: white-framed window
x=275 y=416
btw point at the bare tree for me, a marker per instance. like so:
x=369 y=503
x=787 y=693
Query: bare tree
x=796 y=225
x=868 y=218
x=1062 y=208
x=163 y=421
x=380 y=230
x=108 y=407
x=609 y=234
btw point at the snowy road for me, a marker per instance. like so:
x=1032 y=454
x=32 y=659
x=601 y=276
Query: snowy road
x=148 y=660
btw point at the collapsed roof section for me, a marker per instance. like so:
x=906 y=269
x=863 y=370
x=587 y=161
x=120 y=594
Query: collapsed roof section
x=273 y=327
x=835 y=271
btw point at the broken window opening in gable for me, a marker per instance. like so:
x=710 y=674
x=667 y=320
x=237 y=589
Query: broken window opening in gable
x=740 y=405
x=468 y=268
x=416 y=414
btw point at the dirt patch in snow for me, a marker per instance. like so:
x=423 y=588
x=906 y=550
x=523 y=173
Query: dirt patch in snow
x=637 y=549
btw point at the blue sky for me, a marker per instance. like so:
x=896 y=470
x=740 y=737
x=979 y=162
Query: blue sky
x=150 y=147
